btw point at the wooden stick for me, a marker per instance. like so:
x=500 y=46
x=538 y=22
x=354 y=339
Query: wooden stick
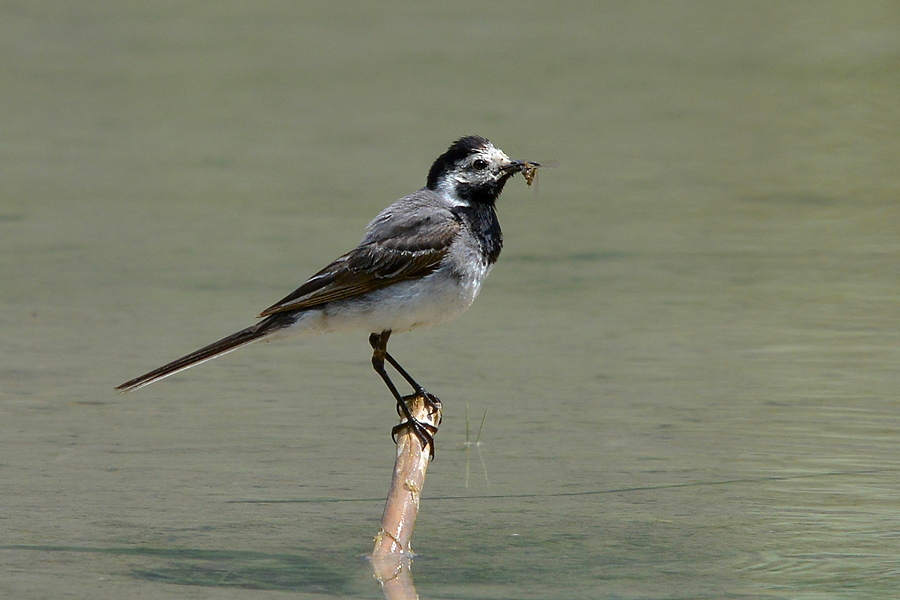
x=392 y=554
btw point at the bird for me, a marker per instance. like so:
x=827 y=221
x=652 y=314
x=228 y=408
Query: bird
x=422 y=261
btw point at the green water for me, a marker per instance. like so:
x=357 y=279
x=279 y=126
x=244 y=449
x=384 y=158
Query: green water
x=688 y=352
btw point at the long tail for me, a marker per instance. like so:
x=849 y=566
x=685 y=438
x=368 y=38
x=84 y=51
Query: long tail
x=224 y=346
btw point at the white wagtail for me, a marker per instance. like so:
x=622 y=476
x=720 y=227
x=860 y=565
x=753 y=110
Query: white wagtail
x=421 y=262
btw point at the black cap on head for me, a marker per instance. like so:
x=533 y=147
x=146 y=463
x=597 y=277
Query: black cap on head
x=458 y=150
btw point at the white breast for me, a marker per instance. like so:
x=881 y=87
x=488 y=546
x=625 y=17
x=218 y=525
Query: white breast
x=404 y=306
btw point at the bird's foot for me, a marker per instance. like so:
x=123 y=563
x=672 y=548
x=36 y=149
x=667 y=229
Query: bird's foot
x=424 y=431
x=432 y=402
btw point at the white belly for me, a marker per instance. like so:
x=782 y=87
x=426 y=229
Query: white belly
x=404 y=306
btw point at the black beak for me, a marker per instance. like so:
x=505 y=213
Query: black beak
x=517 y=166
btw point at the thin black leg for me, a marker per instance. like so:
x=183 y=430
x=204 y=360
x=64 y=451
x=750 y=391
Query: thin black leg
x=421 y=392
x=423 y=431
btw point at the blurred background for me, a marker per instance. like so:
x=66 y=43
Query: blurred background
x=682 y=373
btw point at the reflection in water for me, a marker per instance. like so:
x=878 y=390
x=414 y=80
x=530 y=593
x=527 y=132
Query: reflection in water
x=476 y=443
x=393 y=573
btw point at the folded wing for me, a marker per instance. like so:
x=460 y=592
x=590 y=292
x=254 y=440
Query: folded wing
x=413 y=252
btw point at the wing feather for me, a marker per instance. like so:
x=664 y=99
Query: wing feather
x=410 y=254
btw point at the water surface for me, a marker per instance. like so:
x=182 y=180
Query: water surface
x=687 y=353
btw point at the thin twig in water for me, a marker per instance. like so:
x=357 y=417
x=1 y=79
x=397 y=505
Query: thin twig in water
x=477 y=444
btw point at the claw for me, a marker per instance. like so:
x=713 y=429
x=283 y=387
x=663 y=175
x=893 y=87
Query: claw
x=424 y=431
x=433 y=403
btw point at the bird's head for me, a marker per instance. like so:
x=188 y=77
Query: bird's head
x=472 y=170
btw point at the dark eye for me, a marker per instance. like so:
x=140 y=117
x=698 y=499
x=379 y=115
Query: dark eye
x=479 y=164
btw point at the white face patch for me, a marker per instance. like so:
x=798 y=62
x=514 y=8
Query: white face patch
x=479 y=168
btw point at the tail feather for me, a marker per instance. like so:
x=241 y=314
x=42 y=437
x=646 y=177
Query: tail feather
x=216 y=349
